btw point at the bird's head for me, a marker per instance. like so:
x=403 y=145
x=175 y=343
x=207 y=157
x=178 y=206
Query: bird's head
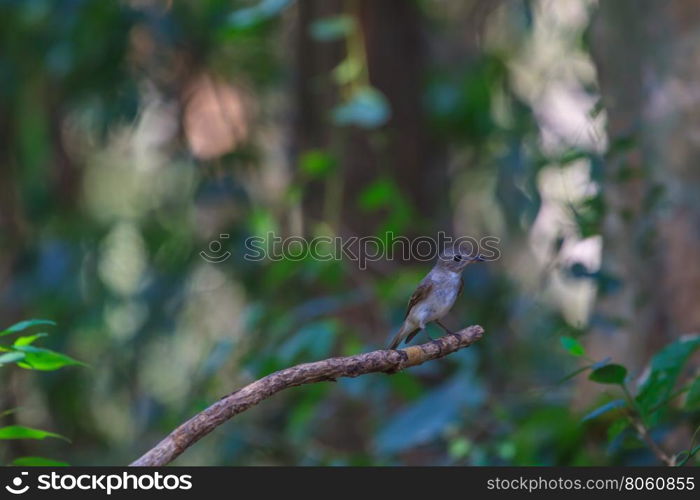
x=454 y=260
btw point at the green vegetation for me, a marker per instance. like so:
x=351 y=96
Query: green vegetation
x=138 y=137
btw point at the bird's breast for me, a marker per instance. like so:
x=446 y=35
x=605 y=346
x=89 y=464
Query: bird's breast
x=445 y=298
x=437 y=304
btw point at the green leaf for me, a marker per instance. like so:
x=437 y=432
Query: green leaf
x=38 y=462
x=29 y=339
x=692 y=400
x=37 y=358
x=617 y=428
x=381 y=193
x=347 y=71
x=316 y=163
x=21 y=432
x=597 y=108
x=332 y=28
x=572 y=345
x=571 y=156
x=459 y=448
x=665 y=367
x=23 y=325
x=7 y=412
x=11 y=357
x=609 y=374
x=685 y=455
x=612 y=405
x=366 y=108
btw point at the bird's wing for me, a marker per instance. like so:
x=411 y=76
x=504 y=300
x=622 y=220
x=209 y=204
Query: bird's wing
x=421 y=293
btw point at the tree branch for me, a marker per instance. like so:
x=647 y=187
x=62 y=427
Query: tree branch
x=386 y=361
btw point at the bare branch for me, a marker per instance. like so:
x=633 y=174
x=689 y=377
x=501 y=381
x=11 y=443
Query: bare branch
x=386 y=361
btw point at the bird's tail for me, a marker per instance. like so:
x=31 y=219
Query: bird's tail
x=405 y=331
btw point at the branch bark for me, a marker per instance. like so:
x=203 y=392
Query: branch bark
x=383 y=361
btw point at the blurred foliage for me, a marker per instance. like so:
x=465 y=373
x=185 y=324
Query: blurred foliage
x=137 y=134
x=652 y=405
x=25 y=355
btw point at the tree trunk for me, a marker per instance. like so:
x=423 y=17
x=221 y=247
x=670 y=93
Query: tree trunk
x=647 y=54
x=403 y=150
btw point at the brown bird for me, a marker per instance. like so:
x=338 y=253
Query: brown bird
x=435 y=295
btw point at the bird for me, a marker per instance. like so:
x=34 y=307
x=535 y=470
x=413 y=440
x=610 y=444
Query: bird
x=435 y=295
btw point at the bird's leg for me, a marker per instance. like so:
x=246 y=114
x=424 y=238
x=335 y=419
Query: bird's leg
x=447 y=330
x=425 y=330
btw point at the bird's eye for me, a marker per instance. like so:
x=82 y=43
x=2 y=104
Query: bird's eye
x=457 y=258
